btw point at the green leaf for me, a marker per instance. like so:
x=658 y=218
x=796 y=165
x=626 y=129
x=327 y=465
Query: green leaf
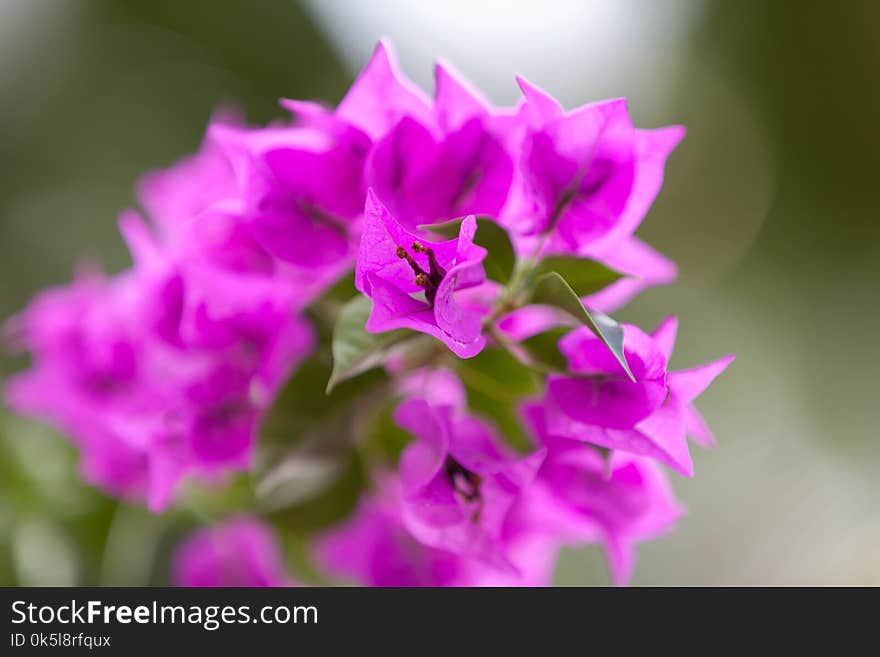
x=354 y=349
x=551 y=289
x=304 y=469
x=331 y=505
x=500 y=258
x=303 y=408
x=496 y=383
x=583 y=275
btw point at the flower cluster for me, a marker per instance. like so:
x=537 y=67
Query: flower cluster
x=468 y=228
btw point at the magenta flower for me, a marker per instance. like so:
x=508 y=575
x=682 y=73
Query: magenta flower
x=85 y=346
x=428 y=161
x=206 y=207
x=164 y=372
x=375 y=548
x=381 y=96
x=227 y=341
x=647 y=417
x=451 y=166
x=426 y=179
x=304 y=196
x=459 y=483
x=619 y=503
x=587 y=176
x=239 y=552
x=161 y=372
x=583 y=183
x=394 y=265
x=195 y=188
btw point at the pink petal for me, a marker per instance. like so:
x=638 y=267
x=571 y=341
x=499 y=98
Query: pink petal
x=381 y=96
x=455 y=99
x=664 y=335
x=651 y=149
x=545 y=106
x=697 y=428
x=689 y=384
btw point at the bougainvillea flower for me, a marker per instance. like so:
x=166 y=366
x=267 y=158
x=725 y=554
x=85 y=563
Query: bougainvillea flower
x=425 y=178
x=428 y=162
x=687 y=385
x=239 y=552
x=223 y=344
x=394 y=265
x=619 y=502
x=453 y=165
x=597 y=406
x=375 y=548
x=381 y=96
x=303 y=195
x=459 y=483
x=439 y=384
x=206 y=208
x=161 y=372
x=85 y=346
x=192 y=187
x=586 y=177
x=601 y=393
x=377 y=101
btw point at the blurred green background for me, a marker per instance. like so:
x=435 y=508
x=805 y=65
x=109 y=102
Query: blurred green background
x=770 y=209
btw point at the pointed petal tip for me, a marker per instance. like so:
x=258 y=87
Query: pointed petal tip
x=676 y=134
x=444 y=70
x=668 y=323
x=546 y=104
x=690 y=383
x=723 y=362
x=136 y=235
x=129 y=221
x=372 y=204
x=685 y=469
x=527 y=88
x=665 y=334
x=301 y=107
x=383 y=51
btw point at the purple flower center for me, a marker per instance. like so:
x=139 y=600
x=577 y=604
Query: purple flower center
x=429 y=280
x=465 y=483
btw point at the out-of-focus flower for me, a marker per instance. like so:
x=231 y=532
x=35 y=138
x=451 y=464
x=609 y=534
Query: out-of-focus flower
x=161 y=372
x=303 y=195
x=232 y=206
x=429 y=161
x=239 y=552
x=649 y=416
x=586 y=177
x=582 y=497
x=584 y=181
x=375 y=548
x=164 y=372
x=394 y=264
x=86 y=379
x=453 y=164
x=459 y=483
